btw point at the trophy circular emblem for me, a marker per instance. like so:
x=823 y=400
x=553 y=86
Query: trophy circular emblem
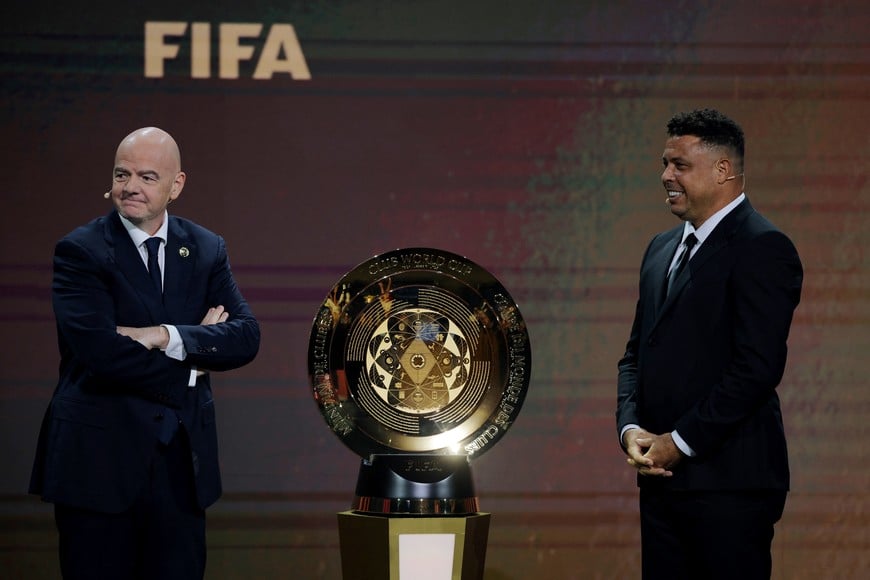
x=419 y=351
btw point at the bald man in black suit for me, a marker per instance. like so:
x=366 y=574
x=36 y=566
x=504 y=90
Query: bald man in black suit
x=146 y=308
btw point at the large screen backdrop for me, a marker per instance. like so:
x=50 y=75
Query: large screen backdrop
x=526 y=136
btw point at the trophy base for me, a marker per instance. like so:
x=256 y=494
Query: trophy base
x=403 y=548
x=419 y=485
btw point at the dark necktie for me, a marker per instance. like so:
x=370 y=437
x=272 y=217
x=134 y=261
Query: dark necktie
x=690 y=242
x=170 y=425
x=153 y=245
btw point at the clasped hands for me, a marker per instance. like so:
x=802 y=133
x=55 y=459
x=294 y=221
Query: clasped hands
x=158 y=337
x=651 y=454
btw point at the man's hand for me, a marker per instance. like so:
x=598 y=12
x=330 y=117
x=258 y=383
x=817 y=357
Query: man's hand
x=214 y=315
x=148 y=336
x=651 y=454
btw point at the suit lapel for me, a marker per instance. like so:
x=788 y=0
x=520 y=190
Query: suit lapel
x=680 y=282
x=721 y=236
x=661 y=260
x=181 y=257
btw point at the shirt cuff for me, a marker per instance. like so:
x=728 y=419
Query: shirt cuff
x=175 y=348
x=628 y=427
x=682 y=445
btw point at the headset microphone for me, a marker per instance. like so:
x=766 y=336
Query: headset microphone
x=107 y=195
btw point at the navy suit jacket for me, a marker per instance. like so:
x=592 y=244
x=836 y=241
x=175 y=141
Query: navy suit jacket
x=114 y=396
x=707 y=360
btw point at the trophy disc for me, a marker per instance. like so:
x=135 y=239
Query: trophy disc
x=419 y=351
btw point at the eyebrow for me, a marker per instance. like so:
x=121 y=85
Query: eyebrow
x=121 y=169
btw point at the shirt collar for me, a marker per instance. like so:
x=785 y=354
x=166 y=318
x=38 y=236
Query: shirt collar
x=708 y=226
x=139 y=236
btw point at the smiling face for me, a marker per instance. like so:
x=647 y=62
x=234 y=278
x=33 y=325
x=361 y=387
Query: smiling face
x=697 y=177
x=147 y=177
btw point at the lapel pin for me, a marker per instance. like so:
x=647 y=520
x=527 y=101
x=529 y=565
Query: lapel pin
x=183 y=252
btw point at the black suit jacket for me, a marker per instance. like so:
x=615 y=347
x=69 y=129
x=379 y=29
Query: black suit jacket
x=707 y=360
x=114 y=396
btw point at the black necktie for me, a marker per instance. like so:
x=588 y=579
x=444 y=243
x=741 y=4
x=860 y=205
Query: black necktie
x=690 y=241
x=153 y=245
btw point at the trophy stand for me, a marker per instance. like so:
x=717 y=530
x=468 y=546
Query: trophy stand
x=414 y=517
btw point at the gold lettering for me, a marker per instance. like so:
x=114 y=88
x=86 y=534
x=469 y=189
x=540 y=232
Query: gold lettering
x=156 y=49
x=231 y=51
x=281 y=51
x=282 y=37
x=200 y=50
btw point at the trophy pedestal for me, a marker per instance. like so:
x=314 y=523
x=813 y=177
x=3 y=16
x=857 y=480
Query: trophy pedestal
x=414 y=517
x=382 y=547
x=425 y=485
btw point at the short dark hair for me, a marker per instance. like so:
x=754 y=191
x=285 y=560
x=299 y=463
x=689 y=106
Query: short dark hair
x=712 y=127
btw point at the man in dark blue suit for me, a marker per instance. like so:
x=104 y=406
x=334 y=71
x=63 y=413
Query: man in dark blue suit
x=697 y=410
x=146 y=307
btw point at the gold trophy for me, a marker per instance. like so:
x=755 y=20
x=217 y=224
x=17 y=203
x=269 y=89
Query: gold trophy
x=419 y=362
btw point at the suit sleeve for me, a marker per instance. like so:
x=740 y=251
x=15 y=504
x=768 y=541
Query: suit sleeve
x=226 y=345
x=766 y=285
x=626 y=392
x=627 y=379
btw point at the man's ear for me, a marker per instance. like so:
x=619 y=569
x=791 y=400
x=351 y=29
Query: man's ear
x=723 y=168
x=177 y=185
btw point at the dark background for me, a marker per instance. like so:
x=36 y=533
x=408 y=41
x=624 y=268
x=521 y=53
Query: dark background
x=526 y=136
